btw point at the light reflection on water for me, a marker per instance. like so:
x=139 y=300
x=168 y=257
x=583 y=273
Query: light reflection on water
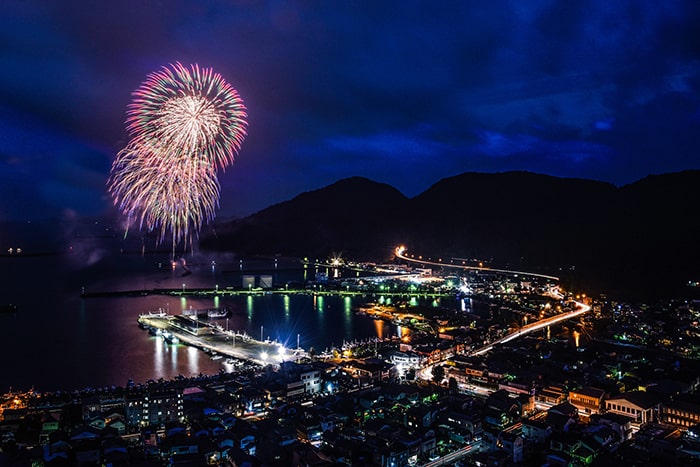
x=158 y=363
x=379 y=326
x=347 y=317
x=59 y=341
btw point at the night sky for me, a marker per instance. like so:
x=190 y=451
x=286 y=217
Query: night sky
x=401 y=92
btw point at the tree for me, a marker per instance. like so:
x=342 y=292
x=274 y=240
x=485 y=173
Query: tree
x=438 y=374
x=452 y=383
x=411 y=374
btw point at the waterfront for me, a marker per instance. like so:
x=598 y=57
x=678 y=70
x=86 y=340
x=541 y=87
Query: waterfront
x=58 y=340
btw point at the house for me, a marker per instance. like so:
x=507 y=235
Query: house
x=466 y=422
x=562 y=416
x=496 y=458
x=420 y=416
x=96 y=420
x=57 y=446
x=115 y=452
x=371 y=369
x=586 y=451
x=574 y=448
x=86 y=444
x=393 y=454
x=179 y=444
x=50 y=422
x=502 y=409
x=117 y=424
x=621 y=424
x=606 y=436
x=512 y=443
x=194 y=393
x=662 y=442
x=549 y=396
x=536 y=429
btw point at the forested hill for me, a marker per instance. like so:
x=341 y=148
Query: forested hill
x=639 y=239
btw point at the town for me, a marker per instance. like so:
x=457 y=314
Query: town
x=611 y=383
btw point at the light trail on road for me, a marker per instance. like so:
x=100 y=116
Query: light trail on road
x=400 y=250
x=581 y=309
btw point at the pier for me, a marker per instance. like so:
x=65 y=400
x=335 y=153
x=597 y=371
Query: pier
x=216 y=341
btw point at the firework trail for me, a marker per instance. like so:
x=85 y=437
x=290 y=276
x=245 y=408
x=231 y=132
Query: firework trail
x=185 y=124
x=178 y=196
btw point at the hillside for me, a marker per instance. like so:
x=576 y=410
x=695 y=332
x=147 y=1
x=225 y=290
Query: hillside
x=354 y=216
x=639 y=239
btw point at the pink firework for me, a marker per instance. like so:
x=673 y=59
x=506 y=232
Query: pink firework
x=185 y=125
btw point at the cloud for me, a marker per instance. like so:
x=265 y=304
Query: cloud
x=45 y=172
x=394 y=91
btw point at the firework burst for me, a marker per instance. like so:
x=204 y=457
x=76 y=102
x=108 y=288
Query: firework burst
x=191 y=111
x=185 y=124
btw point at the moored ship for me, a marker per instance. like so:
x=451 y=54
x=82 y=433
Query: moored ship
x=161 y=313
x=217 y=313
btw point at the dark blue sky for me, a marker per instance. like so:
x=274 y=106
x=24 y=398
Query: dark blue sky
x=402 y=92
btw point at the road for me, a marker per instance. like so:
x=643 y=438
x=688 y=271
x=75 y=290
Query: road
x=399 y=252
x=580 y=309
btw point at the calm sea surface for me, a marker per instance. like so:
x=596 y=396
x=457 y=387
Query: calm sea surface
x=58 y=340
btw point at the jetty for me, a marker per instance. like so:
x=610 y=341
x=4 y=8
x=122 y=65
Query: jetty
x=218 y=342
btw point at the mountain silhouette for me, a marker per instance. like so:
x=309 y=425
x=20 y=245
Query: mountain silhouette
x=636 y=241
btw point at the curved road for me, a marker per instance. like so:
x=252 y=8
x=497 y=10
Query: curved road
x=580 y=307
x=399 y=252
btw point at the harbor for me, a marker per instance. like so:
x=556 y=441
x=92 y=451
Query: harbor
x=211 y=338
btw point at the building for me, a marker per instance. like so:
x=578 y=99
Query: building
x=301 y=379
x=681 y=414
x=642 y=407
x=549 y=396
x=154 y=407
x=406 y=359
x=587 y=400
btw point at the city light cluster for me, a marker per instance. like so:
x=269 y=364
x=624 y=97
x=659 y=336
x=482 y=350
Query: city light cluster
x=185 y=124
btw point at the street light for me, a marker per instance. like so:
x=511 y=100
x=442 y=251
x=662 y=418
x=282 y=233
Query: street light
x=183 y=287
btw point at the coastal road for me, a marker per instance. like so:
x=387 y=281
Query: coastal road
x=399 y=252
x=580 y=310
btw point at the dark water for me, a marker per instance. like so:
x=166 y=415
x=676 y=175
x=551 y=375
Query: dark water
x=58 y=340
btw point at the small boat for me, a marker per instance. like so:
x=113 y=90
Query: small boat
x=217 y=313
x=161 y=313
x=170 y=338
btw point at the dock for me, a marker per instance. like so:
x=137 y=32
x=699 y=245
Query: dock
x=219 y=342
